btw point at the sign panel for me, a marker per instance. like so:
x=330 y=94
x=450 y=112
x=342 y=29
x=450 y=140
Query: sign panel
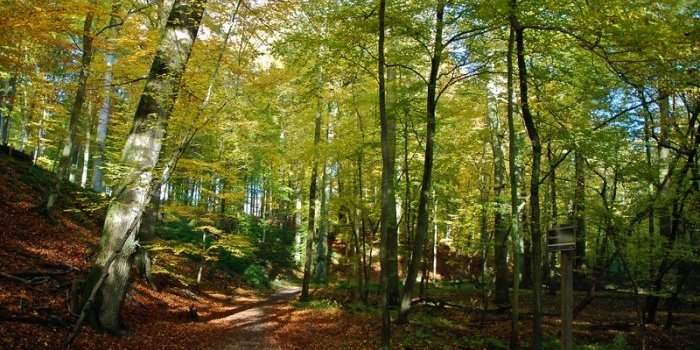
x=561 y=238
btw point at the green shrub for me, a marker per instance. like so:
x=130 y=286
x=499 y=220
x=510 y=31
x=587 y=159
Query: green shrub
x=361 y=308
x=317 y=304
x=256 y=276
x=618 y=343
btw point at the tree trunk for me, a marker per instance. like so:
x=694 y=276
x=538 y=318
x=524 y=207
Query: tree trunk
x=388 y=213
x=408 y=222
x=87 y=148
x=321 y=270
x=514 y=200
x=526 y=280
x=554 y=217
x=150 y=218
x=70 y=141
x=106 y=109
x=484 y=234
x=311 y=232
x=41 y=132
x=536 y=236
x=435 y=235
x=578 y=214
x=139 y=157
x=297 y=223
x=358 y=259
x=29 y=105
x=499 y=170
x=665 y=212
x=426 y=182
x=363 y=224
x=7 y=103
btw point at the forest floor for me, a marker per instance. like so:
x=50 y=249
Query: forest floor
x=39 y=259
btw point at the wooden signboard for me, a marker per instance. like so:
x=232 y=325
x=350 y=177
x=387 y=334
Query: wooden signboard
x=561 y=238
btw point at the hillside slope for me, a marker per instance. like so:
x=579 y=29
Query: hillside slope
x=40 y=257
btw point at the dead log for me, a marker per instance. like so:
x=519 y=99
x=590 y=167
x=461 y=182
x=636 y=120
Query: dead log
x=15 y=278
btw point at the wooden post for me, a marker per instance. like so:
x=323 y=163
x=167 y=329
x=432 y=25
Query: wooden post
x=567 y=299
x=563 y=239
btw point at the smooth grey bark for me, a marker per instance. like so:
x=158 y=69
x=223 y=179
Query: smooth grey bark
x=6 y=105
x=41 y=132
x=152 y=215
x=139 y=157
x=87 y=147
x=28 y=106
x=70 y=142
x=499 y=172
x=426 y=181
x=150 y=218
x=164 y=8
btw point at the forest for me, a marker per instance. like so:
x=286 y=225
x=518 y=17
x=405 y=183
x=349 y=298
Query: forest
x=349 y=174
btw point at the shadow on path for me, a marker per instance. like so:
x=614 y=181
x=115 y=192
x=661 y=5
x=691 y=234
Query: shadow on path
x=249 y=326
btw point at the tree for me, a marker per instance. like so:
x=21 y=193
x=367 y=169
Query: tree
x=499 y=170
x=388 y=216
x=70 y=142
x=140 y=156
x=311 y=230
x=514 y=200
x=106 y=109
x=426 y=181
x=533 y=134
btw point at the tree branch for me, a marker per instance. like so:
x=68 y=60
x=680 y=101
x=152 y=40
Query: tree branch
x=400 y=65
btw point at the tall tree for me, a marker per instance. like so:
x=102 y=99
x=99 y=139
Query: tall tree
x=106 y=109
x=578 y=211
x=499 y=183
x=70 y=142
x=426 y=182
x=322 y=249
x=313 y=188
x=514 y=200
x=388 y=214
x=7 y=101
x=533 y=134
x=139 y=157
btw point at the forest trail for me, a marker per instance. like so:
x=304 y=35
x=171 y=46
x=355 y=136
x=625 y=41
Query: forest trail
x=252 y=324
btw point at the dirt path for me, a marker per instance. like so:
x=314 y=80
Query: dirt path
x=251 y=325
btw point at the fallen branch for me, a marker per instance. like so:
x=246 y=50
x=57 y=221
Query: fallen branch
x=15 y=278
x=50 y=320
x=447 y=305
x=618 y=326
x=186 y=293
x=44 y=273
